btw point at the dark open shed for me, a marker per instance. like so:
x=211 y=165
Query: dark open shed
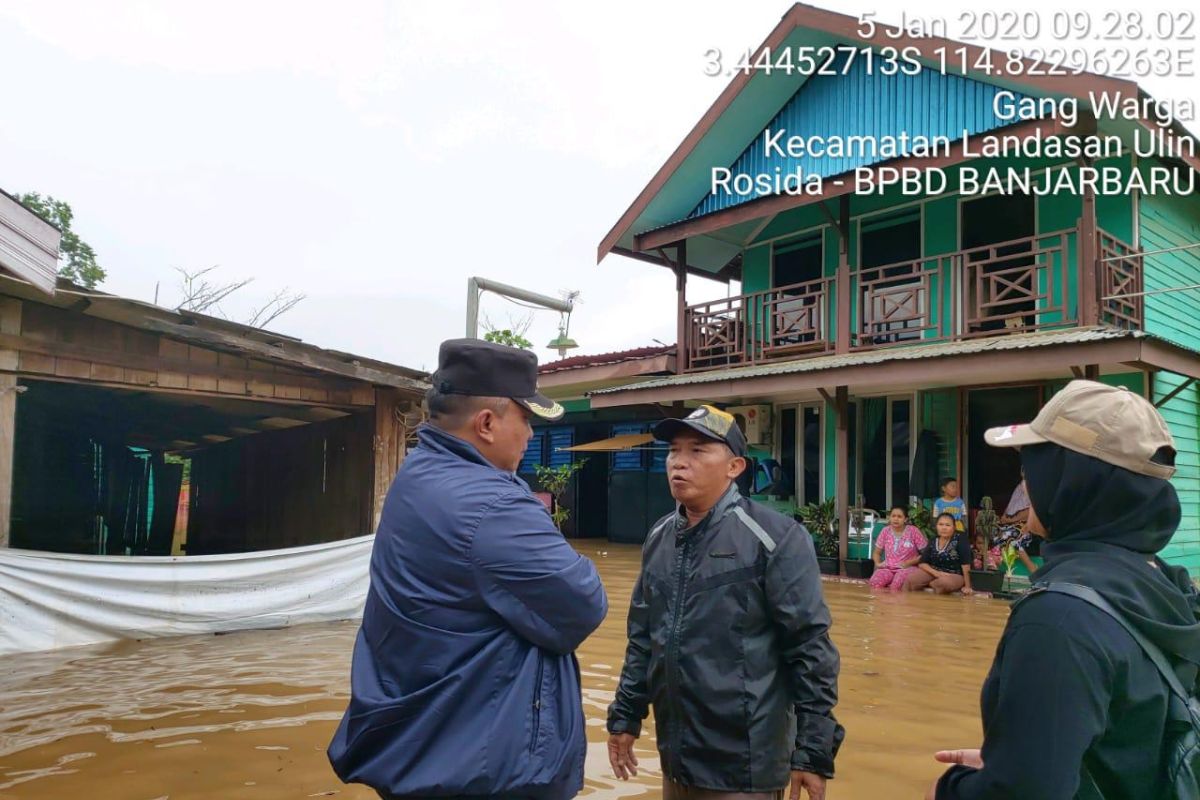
x=112 y=410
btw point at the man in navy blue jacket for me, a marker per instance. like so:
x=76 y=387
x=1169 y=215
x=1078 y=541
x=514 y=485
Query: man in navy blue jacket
x=464 y=681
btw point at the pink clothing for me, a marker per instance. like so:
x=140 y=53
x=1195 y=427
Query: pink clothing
x=897 y=548
x=885 y=578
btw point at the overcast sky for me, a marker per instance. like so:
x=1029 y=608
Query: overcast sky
x=373 y=155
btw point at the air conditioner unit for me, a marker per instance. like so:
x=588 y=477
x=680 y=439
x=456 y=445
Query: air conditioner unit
x=755 y=422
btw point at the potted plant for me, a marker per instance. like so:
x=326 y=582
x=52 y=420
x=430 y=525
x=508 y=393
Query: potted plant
x=987 y=579
x=821 y=521
x=1010 y=558
x=860 y=567
x=556 y=481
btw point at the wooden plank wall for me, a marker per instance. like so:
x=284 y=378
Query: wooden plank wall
x=284 y=488
x=389 y=444
x=56 y=343
x=10 y=324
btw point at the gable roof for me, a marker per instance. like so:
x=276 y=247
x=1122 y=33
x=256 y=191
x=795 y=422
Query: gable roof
x=748 y=104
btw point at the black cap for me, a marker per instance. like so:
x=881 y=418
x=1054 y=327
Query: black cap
x=482 y=369
x=708 y=421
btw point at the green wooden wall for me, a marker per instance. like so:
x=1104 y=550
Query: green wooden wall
x=1166 y=222
x=1182 y=414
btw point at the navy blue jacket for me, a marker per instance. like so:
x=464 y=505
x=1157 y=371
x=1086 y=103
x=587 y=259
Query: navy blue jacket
x=464 y=680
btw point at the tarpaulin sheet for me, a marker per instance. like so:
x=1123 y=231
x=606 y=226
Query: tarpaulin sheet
x=53 y=600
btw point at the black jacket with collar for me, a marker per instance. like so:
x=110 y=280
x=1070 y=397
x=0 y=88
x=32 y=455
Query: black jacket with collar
x=728 y=640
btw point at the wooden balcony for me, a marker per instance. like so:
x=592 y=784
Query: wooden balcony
x=1017 y=286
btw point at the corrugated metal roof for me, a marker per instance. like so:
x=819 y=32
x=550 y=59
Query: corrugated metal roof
x=218 y=334
x=858 y=103
x=1018 y=341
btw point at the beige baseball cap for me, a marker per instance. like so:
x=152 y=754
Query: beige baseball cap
x=1110 y=423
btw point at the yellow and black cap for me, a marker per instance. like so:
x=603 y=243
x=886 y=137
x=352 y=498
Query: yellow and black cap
x=482 y=369
x=707 y=421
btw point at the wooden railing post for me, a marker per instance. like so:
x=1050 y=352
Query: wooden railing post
x=682 y=354
x=1089 y=264
x=842 y=336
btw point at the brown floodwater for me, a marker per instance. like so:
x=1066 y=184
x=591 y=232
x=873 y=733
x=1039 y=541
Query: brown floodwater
x=248 y=715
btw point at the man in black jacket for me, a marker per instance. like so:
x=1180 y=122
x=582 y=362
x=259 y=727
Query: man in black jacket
x=1073 y=707
x=728 y=636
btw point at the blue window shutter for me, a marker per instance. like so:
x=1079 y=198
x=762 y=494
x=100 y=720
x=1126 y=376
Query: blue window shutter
x=560 y=438
x=533 y=453
x=627 y=460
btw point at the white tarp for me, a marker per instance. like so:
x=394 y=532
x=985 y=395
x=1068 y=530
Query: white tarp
x=52 y=600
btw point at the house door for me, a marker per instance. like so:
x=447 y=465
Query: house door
x=801 y=452
x=795 y=314
x=1000 y=282
x=995 y=471
x=894 y=307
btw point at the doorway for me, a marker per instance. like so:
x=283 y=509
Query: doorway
x=1000 y=283
x=995 y=471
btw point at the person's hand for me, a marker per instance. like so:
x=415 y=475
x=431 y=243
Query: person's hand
x=811 y=782
x=967 y=590
x=967 y=758
x=620 y=755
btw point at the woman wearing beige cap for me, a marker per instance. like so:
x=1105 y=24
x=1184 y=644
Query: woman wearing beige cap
x=1074 y=705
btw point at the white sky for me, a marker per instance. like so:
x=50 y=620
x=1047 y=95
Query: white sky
x=373 y=155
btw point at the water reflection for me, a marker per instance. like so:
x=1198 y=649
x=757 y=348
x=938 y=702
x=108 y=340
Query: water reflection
x=248 y=715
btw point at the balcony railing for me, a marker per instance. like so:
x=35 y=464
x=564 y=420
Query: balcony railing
x=1121 y=286
x=761 y=326
x=1016 y=286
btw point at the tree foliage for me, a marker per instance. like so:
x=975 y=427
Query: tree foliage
x=556 y=481
x=77 y=259
x=508 y=337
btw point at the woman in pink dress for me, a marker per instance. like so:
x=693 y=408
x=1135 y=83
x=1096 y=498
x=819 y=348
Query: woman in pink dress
x=897 y=551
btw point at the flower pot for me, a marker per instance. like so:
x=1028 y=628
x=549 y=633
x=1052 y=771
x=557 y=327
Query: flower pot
x=829 y=566
x=859 y=567
x=991 y=581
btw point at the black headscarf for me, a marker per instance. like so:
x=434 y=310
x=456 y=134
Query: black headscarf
x=1105 y=524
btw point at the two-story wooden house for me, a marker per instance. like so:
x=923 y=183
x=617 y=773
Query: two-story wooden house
x=870 y=316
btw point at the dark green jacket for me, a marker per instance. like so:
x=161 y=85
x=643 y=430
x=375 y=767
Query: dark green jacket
x=728 y=639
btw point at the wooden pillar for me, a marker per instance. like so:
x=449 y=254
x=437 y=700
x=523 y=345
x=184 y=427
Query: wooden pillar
x=841 y=492
x=389 y=445
x=842 y=282
x=1092 y=372
x=10 y=324
x=1089 y=264
x=681 y=326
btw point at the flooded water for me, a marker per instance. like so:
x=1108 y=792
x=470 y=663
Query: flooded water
x=248 y=715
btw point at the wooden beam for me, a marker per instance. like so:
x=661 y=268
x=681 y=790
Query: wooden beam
x=681 y=326
x=389 y=446
x=1077 y=372
x=1175 y=392
x=282 y=351
x=841 y=285
x=841 y=491
x=185 y=368
x=8 y=422
x=1092 y=372
x=1089 y=261
x=826 y=396
x=651 y=258
x=943 y=371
